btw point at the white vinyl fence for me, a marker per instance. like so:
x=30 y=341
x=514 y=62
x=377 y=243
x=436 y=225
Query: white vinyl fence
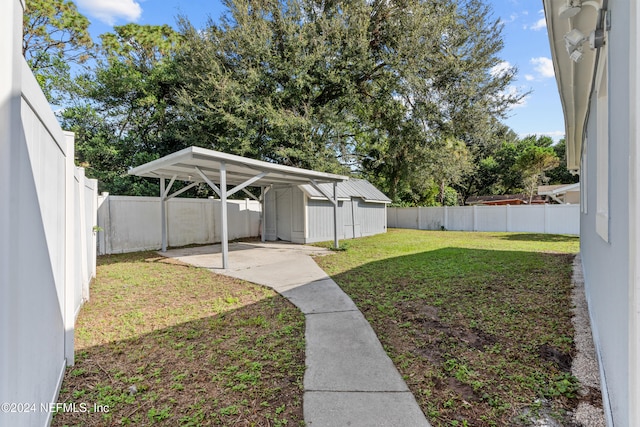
x=129 y=224
x=551 y=219
x=47 y=246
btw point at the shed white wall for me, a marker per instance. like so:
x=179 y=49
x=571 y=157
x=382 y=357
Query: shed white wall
x=41 y=264
x=132 y=224
x=312 y=220
x=356 y=218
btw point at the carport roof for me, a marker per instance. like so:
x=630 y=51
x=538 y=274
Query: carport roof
x=184 y=165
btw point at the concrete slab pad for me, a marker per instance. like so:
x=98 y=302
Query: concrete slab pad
x=328 y=409
x=282 y=274
x=344 y=354
x=321 y=296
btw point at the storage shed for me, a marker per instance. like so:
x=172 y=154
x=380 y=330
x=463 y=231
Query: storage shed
x=302 y=214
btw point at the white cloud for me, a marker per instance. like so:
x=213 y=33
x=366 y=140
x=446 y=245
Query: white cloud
x=529 y=77
x=109 y=11
x=544 y=66
x=540 y=24
x=500 y=69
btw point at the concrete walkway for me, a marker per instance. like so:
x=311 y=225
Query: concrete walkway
x=349 y=379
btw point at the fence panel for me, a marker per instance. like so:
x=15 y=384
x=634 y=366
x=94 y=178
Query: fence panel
x=529 y=219
x=41 y=259
x=491 y=218
x=564 y=219
x=459 y=218
x=130 y=224
x=432 y=219
x=554 y=219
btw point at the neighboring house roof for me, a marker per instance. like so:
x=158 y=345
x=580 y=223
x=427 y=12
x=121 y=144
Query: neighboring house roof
x=347 y=189
x=574 y=79
x=504 y=199
x=563 y=194
x=553 y=190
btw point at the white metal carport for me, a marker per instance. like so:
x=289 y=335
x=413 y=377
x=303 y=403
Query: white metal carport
x=200 y=165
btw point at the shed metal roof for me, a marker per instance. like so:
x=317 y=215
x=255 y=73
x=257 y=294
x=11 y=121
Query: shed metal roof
x=182 y=164
x=347 y=189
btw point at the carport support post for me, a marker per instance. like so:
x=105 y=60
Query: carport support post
x=223 y=215
x=335 y=215
x=262 y=215
x=163 y=215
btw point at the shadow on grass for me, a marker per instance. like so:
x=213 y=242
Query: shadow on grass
x=233 y=363
x=146 y=256
x=478 y=335
x=540 y=237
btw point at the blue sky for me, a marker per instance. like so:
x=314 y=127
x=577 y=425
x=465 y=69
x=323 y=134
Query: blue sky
x=526 y=47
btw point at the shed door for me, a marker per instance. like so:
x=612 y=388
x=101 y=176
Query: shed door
x=351 y=218
x=283 y=214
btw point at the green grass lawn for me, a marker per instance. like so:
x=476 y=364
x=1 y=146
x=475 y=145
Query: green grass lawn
x=163 y=343
x=479 y=324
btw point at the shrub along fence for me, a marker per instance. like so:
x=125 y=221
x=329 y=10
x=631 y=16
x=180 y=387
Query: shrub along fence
x=129 y=224
x=551 y=219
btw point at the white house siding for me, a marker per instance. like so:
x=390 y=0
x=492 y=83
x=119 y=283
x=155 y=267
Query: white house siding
x=606 y=263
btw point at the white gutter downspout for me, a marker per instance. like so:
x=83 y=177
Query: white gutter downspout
x=634 y=211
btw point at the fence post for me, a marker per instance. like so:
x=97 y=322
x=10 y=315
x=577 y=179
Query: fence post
x=81 y=224
x=69 y=275
x=247 y=218
x=509 y=227
x=446 y=217
x=546 y=218
x=475 y=218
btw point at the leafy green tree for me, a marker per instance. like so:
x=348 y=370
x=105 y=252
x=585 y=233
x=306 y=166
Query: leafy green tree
x=125 y=114
x=405 y=93
x=560 y=174
x=533 y=162
x=55 y=35
x=451 y=162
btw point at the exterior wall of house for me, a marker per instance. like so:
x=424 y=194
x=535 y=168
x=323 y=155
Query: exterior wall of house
x=634 y=213
x=605 y=256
